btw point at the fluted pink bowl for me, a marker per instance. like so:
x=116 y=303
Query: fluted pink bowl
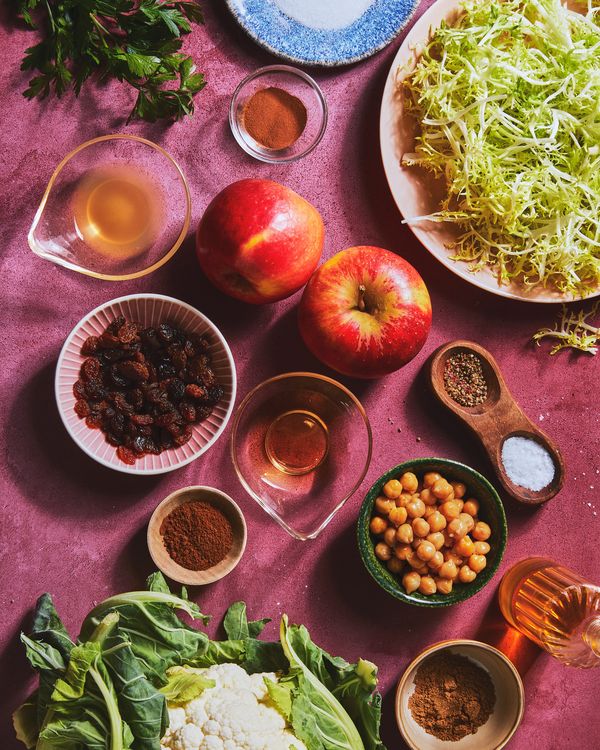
x=147 y=309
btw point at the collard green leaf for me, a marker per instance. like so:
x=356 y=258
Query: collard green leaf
x=281 y=696
x=25 y=722
x=237 y=626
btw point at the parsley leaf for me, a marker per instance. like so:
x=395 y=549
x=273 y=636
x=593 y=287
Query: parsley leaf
x=135 y=42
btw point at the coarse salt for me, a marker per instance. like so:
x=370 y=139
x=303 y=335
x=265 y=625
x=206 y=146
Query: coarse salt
x=324 y=14
x=527 y=463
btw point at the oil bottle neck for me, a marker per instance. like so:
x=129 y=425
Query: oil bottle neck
x=591 y=634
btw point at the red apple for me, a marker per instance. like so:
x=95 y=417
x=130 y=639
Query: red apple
x=365 y=313
x=259 y=241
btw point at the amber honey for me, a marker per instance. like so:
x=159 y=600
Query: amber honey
x=117 y=211
x=297 y=442
x=555 y=608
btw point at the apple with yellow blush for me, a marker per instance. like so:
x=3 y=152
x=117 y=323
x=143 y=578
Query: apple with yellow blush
x=365 y=312
x=259 y=241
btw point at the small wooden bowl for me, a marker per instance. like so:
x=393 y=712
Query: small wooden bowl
x=165 y=562
x=508 y=708
x=496 y=419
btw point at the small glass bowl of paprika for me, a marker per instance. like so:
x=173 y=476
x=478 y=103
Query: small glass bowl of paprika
x=278 y=114
x=197 y=535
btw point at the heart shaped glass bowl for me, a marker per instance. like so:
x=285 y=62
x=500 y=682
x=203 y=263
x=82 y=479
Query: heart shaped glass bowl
x=301 y=446
x=64 y=232
x=149 y=310
x=491 y=511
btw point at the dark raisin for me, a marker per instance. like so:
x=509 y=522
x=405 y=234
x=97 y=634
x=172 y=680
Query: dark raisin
x=127 y=333
x=152 y=447
x=165 y=370
x=141 y=419
x=117 y=378
x=120 y=402
x=136 y=398
x=113 y=439
x=165 y=332
x=95 y=390
x=215 y=394
x=90 y=369
x=89 y=346
x=184 y=437
x=163 y=420
x=79 y=389
x=108 y=341
x=176 y=389
x=94 y=421
x=187 y=411
x=126 y=455
x=134 y=371
x=82 y=408
x=195 y=391
x=203 y=411
x=117 y=423
x=189 y=348
x=113 y=355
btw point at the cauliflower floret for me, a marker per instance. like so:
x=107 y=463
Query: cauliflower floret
x=189 y=737
x=235 y=714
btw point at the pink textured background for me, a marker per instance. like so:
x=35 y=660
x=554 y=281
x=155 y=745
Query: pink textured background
x=75 y=529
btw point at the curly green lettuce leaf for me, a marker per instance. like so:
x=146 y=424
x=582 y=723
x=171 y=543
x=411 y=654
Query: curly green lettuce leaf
x=573 y=331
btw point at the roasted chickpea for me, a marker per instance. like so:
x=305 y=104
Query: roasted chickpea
x=471 y=507
x=392 y=489
x=382 y=551
x=481 y=548
x=378 y=525
x=409 y=482
x=403 y=551
x=420 y=566
x=411 y=581
x=404 y=499
x=431 y=478
x=416 y=508
x=459 y=503
x=395 y=566
x=457 y=529
x=437 y=539
x=383 y=505
x=466 y=575
x=437 y=521
x=425 y=551
x=398 y=516
x=443 y=585
x=428 y=497
x=416 y=541
x=441 y=489
x=420 y=527
x=464 y=547
x=459 y=489
x=404 y=534
x=448 y=570
x=481 y=532
x=450 y=510
x=477 y=563
x=452 y=557
x=389 y=536
x=427 y=585
x=429 y=511
x=436 y=561
x=467 y=519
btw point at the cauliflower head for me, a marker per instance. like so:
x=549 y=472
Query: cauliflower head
x=235 y=714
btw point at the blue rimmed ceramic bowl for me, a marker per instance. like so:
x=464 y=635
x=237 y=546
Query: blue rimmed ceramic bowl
x=290 y=30
x=491 y=511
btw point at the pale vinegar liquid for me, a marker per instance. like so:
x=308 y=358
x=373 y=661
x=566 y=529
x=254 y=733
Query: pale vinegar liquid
x=555 y=608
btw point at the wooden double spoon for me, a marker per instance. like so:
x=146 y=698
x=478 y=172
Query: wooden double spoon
x=496 y=419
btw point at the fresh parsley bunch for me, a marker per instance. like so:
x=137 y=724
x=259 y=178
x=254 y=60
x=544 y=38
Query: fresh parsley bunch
x=137 y=42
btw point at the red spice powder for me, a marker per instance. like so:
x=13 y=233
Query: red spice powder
x=197 y=535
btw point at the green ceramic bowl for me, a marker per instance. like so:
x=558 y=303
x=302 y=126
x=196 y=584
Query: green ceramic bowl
x=491 y=511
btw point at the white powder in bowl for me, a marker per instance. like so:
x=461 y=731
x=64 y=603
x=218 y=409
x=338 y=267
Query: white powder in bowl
x=324 y=14
x=527 y=463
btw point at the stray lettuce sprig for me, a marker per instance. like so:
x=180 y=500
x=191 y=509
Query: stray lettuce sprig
x=507 y=103
x=108 y=690
x=573 y=331
x=134 y=42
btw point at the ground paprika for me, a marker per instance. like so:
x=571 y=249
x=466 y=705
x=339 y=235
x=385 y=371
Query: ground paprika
x=274 y=118
x=196 y=535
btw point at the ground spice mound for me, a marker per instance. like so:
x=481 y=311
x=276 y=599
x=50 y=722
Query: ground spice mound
x=196 y=535
x=274 y=118
x=453 y=696
x=464 y=379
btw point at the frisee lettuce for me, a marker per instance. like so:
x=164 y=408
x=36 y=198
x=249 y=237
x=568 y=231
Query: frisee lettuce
x=108 y=690
x=507 y=103
x=573 y=331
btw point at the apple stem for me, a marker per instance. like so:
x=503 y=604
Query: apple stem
x=362 y=290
